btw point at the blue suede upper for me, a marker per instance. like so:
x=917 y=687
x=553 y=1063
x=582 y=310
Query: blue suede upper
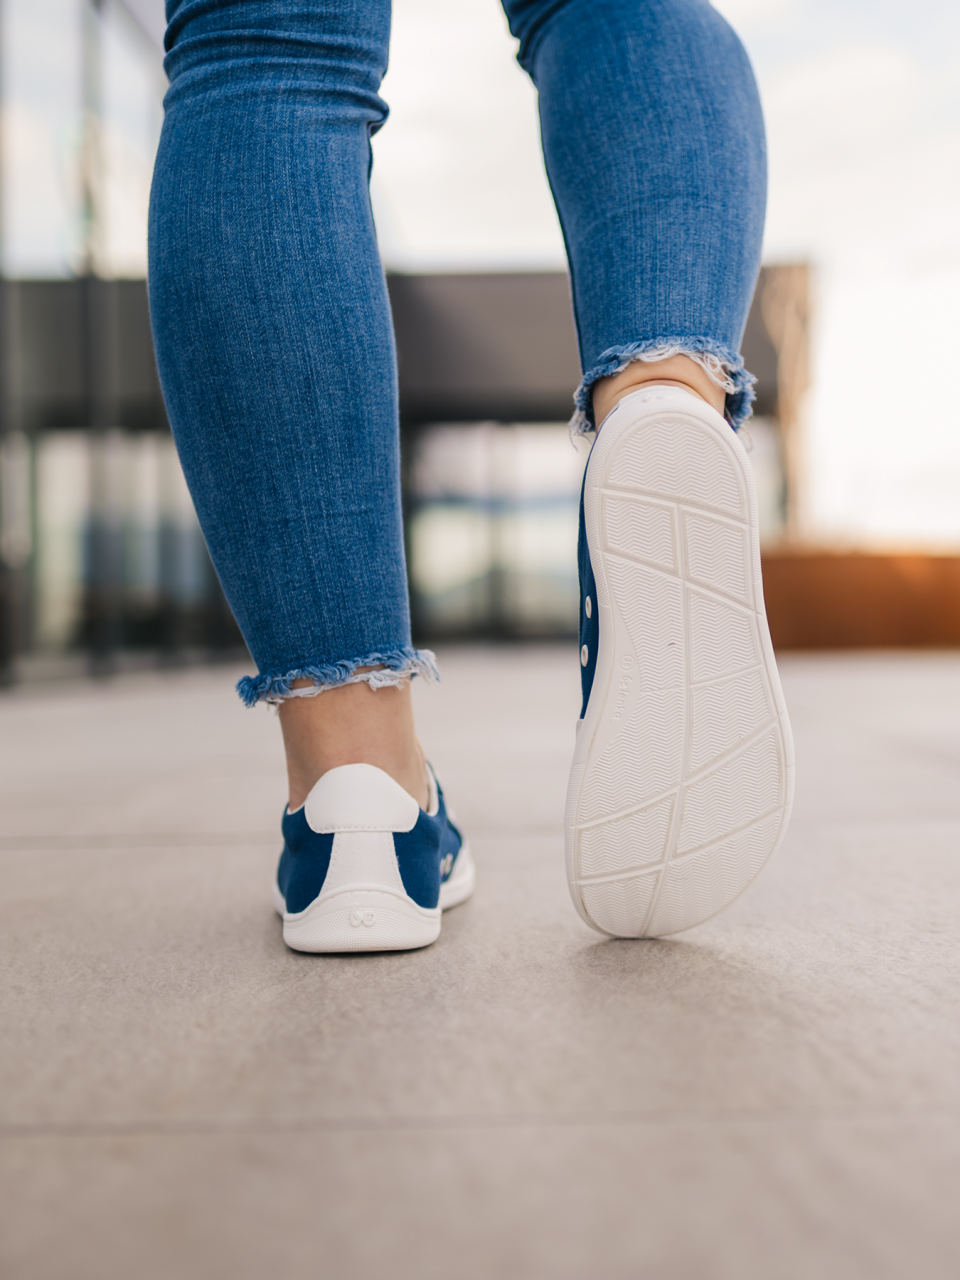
x=418 y=855
x=589 y=627
x=305 y=859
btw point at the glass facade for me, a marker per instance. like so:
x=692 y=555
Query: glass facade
x=100 y=551
x=82 y=90
x=492 y=529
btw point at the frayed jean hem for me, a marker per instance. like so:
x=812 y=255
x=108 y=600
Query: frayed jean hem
x=392 y=669
x=724 y=366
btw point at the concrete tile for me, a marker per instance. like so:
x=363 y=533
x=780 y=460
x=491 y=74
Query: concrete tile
x=864 y=1199
x=168 y=754
x=775 y=1093
x=877 y=736
x=500 y=730
x=154 y=984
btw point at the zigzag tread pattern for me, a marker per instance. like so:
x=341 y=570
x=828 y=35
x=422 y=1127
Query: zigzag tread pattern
x=643 y=761
x=735 y=793
x=723 y=637
x=700 y=886
x=637 y=528
x=626 y=842
x=718 y=555
x=725 y=713
x=620 y=906
x=679 y=459
x=652 y=609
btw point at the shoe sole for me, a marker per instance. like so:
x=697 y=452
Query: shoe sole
x=682 y=778
x=462 y=882
x=359 y=918
x=372 y=917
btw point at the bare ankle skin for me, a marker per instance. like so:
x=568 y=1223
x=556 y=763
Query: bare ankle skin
x=352 y=724
x=677 y=371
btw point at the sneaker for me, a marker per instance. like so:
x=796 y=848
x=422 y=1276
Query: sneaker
x=364 y=868
x=682 y=776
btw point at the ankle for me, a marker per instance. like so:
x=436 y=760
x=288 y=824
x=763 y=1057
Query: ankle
x=676 y=371
x=304 y=772
x=352 y=724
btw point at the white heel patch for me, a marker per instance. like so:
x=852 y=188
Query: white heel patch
x=360 y=797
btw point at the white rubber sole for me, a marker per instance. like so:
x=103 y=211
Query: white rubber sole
x=682 y=777
x=360 y=917
x=366 y=917
x=462 y=882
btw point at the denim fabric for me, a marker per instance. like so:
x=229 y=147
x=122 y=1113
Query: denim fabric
x=655 y=149
x=268 y=302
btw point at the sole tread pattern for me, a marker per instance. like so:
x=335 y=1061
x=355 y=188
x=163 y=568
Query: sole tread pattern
x=725 y=713
x=733 y=794
x=630 y=523
x=682 y=779
x=675 y=460
x=623 y=904
x=626 y=843
x=695 y=885
x=646 y=738
x=718 y=555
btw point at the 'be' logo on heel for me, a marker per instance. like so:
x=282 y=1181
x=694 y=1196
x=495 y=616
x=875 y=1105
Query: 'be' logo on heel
x=362 y=916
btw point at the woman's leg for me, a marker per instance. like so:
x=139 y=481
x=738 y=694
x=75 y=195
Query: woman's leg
x=681 y=781
x=276 y=355
x=654 y=145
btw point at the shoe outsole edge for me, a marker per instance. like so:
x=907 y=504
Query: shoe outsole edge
x=462 y=882
x=359 y=918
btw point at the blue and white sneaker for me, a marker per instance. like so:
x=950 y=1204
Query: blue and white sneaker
x=682 y=776
x=364 y=868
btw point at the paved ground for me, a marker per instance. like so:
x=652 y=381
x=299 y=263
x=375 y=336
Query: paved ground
x=773 y=1095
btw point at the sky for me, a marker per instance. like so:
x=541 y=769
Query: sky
x=863 y=111
x=862 y=102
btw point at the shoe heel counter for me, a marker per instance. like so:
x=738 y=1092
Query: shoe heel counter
x=363 y=858
x=359 y=797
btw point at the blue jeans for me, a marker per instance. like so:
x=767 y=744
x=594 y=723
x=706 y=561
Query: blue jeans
x=270 y=315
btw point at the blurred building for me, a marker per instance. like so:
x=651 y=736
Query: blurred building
x=100 y=552
x=488 y=364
